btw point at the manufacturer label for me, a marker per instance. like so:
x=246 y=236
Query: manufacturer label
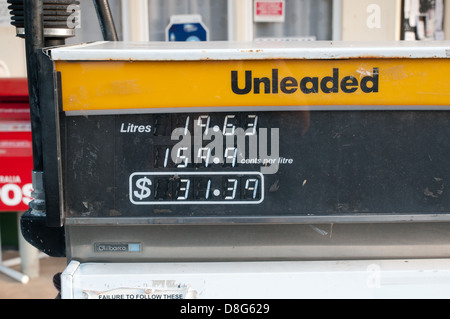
x=117 y=247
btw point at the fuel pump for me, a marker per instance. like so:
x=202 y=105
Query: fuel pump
x=251 y=170
x=186 y=165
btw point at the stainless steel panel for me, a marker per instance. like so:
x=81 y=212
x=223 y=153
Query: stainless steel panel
x=262 y=242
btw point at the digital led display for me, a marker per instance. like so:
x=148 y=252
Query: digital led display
x=257 y=164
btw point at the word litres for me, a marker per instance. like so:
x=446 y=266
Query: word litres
x=132 y=128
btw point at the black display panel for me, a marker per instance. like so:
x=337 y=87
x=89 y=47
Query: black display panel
x=257 y=164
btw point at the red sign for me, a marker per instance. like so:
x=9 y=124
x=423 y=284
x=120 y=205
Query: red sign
x=15 y=183
x=269 y=8
x=16 y=155
x=269 y=11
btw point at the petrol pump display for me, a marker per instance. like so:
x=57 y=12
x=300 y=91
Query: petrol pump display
x=205 y=170
x=264 y=134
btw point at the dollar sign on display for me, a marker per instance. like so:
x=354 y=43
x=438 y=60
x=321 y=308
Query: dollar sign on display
x=144 y=192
